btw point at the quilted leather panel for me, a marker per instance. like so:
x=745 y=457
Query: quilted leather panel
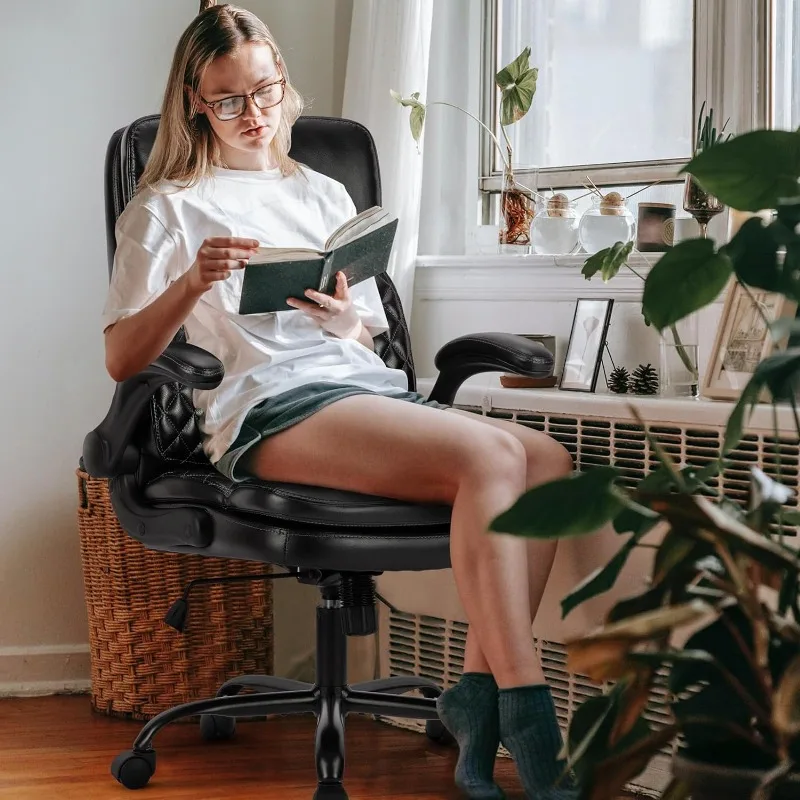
x=293 y=503
x=342 y=149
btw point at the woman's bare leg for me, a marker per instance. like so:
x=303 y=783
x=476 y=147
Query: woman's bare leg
x=546 y=460
x=436 y=457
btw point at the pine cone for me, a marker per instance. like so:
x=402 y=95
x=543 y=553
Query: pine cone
x=618 y=381
x=645 y=380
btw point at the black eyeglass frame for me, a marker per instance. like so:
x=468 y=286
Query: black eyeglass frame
x=245 y=97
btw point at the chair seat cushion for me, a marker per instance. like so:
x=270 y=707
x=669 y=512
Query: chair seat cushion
x=293 y=505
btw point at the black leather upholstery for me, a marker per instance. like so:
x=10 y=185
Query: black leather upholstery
x=165 y=492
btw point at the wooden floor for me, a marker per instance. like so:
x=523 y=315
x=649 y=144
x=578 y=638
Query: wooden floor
x=57 y=748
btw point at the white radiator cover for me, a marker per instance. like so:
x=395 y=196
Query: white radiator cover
x=426 y=634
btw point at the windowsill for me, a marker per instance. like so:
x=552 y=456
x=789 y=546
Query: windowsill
x=502 y=277
x=641 y=262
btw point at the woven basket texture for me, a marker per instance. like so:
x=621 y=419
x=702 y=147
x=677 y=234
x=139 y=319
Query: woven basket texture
x=139 y=665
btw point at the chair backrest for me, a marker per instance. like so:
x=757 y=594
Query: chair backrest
x=340 y=148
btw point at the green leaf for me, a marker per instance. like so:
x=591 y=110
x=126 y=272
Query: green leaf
x=673 y=551
x=417 y=118
x=589 y=728
x=572 y=506
x=693 y=511
x=779 y=373
x=752 y=171
x=607 y=262
x=753 y=252
x=790 y=517
x=677 y=790
x=651 y=624
x=599 y=581
x=784 y=327
x=638 y=604
x=740 y=415
x=517 y=84
x=686 y=278
x=789 y=212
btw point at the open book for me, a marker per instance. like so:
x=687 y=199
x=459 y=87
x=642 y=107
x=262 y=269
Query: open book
x=360 y=248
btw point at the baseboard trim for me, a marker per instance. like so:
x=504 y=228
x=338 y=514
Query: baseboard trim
x=44 y=669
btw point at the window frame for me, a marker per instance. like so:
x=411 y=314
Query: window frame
x=732 y=73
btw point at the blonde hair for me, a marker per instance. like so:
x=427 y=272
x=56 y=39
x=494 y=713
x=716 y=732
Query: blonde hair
x=185 y=149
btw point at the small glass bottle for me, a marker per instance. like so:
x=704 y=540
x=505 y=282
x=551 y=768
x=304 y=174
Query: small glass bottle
x=608 y=221
x=554 y=230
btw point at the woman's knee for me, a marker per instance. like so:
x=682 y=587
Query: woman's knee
x=548 y=461
x=494 y=454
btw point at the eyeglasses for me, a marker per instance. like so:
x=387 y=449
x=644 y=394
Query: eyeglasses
x=232 y=107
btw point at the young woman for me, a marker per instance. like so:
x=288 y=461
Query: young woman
x=305 y=398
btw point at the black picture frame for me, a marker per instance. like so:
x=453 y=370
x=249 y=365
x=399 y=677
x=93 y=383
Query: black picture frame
x=586 y=308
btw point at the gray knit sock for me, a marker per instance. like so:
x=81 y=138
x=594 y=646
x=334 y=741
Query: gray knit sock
x=469 y=711
x=529 y=731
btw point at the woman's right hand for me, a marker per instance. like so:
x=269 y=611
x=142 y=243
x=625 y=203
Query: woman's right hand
x=216 y=258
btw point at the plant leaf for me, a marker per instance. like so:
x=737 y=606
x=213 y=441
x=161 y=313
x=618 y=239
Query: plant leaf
x=673 y=550
x=607 y=262
x=786 y=703
x=601 y=659
x=612 y=774
x=779 y=373
x=417 y=118
x=740 y=414
x=517 y=84
x=677 y=790
x=589 y=728
x=783 y=327
x=699 y=512
x=752 y=171
x=599 y=581
x=572 y=506
x=686 y=278
x=650 y=624
x=754 y=254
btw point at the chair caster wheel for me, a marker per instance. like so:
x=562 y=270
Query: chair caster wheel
x=134 y=770
x=436 y=732
x=214 y=728
x=330 y=791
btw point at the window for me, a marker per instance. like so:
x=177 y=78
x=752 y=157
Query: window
x=621 y=82
x=615 y=79
x=786 y=64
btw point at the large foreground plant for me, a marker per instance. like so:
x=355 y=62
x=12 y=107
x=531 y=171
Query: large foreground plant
x=721 y=613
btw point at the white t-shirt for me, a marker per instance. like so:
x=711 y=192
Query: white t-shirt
x=158 y=236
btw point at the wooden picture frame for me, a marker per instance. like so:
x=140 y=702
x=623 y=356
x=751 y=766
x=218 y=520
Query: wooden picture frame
x=742 y=340
x=587 y=339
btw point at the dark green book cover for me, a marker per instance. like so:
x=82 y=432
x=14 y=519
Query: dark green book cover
x=267 y=286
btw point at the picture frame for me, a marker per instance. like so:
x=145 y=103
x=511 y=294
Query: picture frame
x=587 y=339
x=742 y=340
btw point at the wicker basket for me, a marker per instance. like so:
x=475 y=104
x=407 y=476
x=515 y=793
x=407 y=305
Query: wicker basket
x=141 y=666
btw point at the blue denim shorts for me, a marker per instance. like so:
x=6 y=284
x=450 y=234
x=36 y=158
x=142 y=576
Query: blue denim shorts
x=278 y=413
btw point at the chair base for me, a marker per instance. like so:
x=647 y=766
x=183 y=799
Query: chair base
x=330 y=699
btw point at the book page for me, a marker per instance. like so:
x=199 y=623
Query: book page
x=357 y=226
x=268 y=255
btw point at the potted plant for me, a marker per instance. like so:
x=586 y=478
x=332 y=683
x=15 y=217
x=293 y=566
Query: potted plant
x=721 y=613
x=517 y=85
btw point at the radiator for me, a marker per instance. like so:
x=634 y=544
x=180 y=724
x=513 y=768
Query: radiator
x=424 y=633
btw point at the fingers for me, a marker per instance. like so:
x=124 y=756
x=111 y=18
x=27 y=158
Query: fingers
x=231 y=241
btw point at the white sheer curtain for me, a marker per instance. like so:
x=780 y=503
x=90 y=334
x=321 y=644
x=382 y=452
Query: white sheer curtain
x=389 y=49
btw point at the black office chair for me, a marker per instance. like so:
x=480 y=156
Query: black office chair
x=168 y=496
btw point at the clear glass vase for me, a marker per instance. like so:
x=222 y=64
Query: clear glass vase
x=605 y=224
x=679 y=374
x=554 y=230
x=516 y=213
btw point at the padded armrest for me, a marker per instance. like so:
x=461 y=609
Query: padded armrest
x=107 y=452
x=487 y=352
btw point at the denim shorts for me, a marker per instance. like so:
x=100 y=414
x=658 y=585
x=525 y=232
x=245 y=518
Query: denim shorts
x=278 y=413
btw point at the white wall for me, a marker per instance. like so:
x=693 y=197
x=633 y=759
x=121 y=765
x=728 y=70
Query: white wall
x=71 y=74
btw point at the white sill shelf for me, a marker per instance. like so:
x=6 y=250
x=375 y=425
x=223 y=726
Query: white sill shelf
x=485 y=392
x=639 y=261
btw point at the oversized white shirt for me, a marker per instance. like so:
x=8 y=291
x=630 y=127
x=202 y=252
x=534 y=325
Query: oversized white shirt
x=158 y=236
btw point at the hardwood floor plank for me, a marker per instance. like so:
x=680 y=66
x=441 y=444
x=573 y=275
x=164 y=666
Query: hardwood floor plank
x=57 y=748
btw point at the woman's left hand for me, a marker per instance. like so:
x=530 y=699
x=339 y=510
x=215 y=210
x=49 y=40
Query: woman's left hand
x=336 y=314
